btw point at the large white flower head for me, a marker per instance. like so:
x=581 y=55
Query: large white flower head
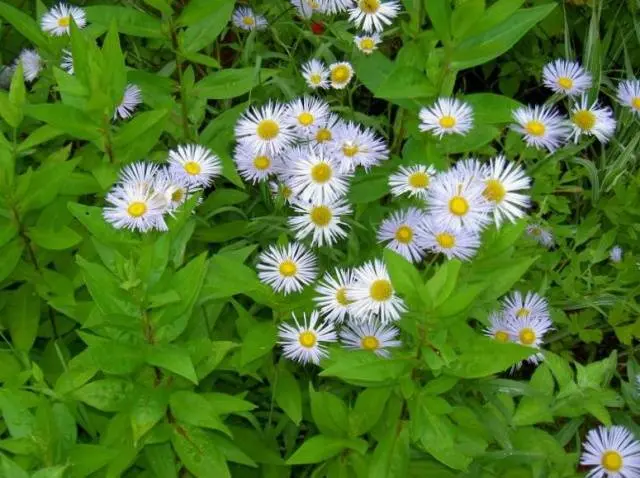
x=287 y=268
x=135 y=207
x=332 y=295
x=305 y=115
x=31 y=64
x=629 y=95
x=498 y=329
x=501 y=184
x=314 y=175
x=340 y=74
x=367 y=44
x=173 y=187
x=372 y=295
x=542 y=126
x=326 y=131
x=66 y=62
x=356 y=146
x=592 y=120
x=402 y=233
x=305 y=341
x=541 y=235
x=316 y=74
x=245 y=19
x=447 y=116
x=370 y=336
x=197 y=164
x=613 y=452
x=131 y=98
x=615 y=254
x=306 y=8
x=454 y=243
x=373 y=15
x=566 y=77
x=458 y=201
x=57 y=21
x=323 y=221
x=254 y=167
x=265 y=130
x=336 y=6
x=530 y=305
x=413 y=180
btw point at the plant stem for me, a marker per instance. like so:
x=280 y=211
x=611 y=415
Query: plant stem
x=186 y=131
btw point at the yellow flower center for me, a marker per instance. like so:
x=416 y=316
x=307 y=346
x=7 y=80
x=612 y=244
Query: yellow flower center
x=307 y=339
x=305 y=119
x=635 y=102
x=321 y=173
x=494 y=190
x=404 y=234
x=381 y=290
x=584 y=119
x=340 y=74
x=446 y=240
x=565 y=83
x=367 y=44
x=350 y=150
x=137 y=209
x=536 y=231
x=288 y=268
x=313 y=4
x=447 y=122
x=261 y=162
x=64 y=22
x=341 y=296
x=321 y=215
x=419 y=180
x=177 y=195
x=523 y=312
x=369 y=342
x=527 y=336
x=458 y=206
x=248 y=21
x=286 y=192
x=315 y=79
x=535 y=128
x=267 y=129
x=323 y=135
x=369 y=6
x=192 y=168
x=612 y=461
x=501 y=336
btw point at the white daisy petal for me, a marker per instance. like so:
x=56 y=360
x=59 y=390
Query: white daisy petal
x=174 y=187
x=66 y=63
x=336 y=6
x=453 y=243
x=531 y=305
x=332 y=295
x=195 y=163
x=131 y=98
x=501 y=182
x=321 y=220
x=629 y=95
x=613 y=452
x=541 y=126
x=592 y=120
x=414 y=180
x=288 y=268
x=447 y=116
x=306 y=8
x=31 y=64
x=265 y=130
x=566 y=77
x=245 y=19
x=373 y=15
x=376 y=338
x=316 y=74
x=403 y=234
x=304 y=342
x=57 y=21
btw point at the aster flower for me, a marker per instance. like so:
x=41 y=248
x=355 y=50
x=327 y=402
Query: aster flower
x=592 y=120
x=305 y=341
x=332 y=295
x=288 y=268
x=245 y=19
x=197 y=164
x=367 y=44
x=326 y=130
x=306 y=8
x=629 y=95
x=376 y=338
x=471 y=169
x=613 y=452
x=542 y=236
x=356 y=146
x=316 y=74
x=566 y=77
x=454 y=243
x=615 y=254
x=31 y=64
x=321 y=220
x=131 y=98
x=402 y=233
x=414 y=180
x=254 y=167
x=305 y=115
x=530 y=305
x=173 y=187
x=541 y=126
x=529 y=331
x=498 y=328
x=265 y=130
x=340 y=74
x=502 y=182
x=141 y=173
x=373 y=15
x=57 y=21
x=447 y=116
x=135 y=207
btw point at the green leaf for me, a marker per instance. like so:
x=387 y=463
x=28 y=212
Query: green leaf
x=483 y=357
x=8 y=111
x=479 y=136
x=362 y=367
x=108 y=395
x=116 y=75
x=17 y=418
x=10 y=469
x=66 y=118
x=258 y=342
x=329 y=413
x=17 y=90
x=51 y=472
x=206 y=30
x=147 y=408
x=287 y=393
x=439 y=12
x=161 y=460
x=129 y=21
x=442 y=284
x=368 y=409
x=12 y=252
x=139 y=129
x=368 y=187
x=404 y=276
x=465 y=16
x=45 y=184
x=38 y=136
x=390 y=459
x=24 y=318
x=489 y=108
x=113 y=357
x=199 y=454
x=189 y=407
x=173 y=358
x=91 y=217
x=26 y=25
x=318 y=448
x=87 y=459
x=63 y=238
x=231 y=83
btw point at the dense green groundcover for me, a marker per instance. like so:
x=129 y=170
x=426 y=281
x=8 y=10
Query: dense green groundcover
x=156 y=354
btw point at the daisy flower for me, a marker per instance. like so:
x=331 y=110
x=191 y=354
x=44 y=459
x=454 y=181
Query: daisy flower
x=316 y=74
x=592 y=120
x=502 y=181
x=615 y=254
x=336 y=6
x=376 y=338
x=530 y=305
x=613 y=452
x=447 y=116
x=340 y=74
x=529 y=331
x=197 y=164
x=401 y=233
x=453 y=243
x=471 y=169
x=373 y=15
x=31 y=64
x=372 y=295
x=326 y=130
x=498 y=328
x=414 y=180
x=173 y=187
x=264 y=129
x=304 y=341
x=356 y=146
x=367 y=43
x=541 y=126
x=287 y=268
x=131 y=98
x=306 y=8
x=322 y=220
x=541 y=235
x=305 y=115
x=566 y=77
x=332 y=295
x=135 y=207
x=458 y=202
x=281 y=190
x=245 y=19
x=254 y=167
x=66 y=63
x=57 y=21
x=629 y=95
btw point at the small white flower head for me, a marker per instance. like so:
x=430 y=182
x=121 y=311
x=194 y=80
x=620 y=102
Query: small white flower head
x=629 y=95
x=454 y=243
x=332 y=295
x=323 y=221
x=376 y=338
x=254 y=167
x=471 y=169
x=367 y=44
x=57 y=21
x=402 y=233
x=615 y=254
x=592 y=120
x=135 y=207
x=305 y=115
x=336 y=6
x=414 y=180
x=280 y=190
x=265 y=130
x=131 y=98
x=340 y=74
x=197 y=164
x=306 y=8
x=542 y=236
x=140 y=173
x=447 y=116
x=531 y=305
x=287 y=268
x=326 y=131
x=613 y=452
x=498 y=329
x=373 y=15
x=316 y=74
x=530 y=331
x=458 y=202
x=566 y=77
x=501 y=184
x=356 y=146
x=542 y=127
x=31 y=64
x=304 y=341
x=173 y=187
x=372 y=295
x=314 y=176
x=66 y=63
x=245 y=19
